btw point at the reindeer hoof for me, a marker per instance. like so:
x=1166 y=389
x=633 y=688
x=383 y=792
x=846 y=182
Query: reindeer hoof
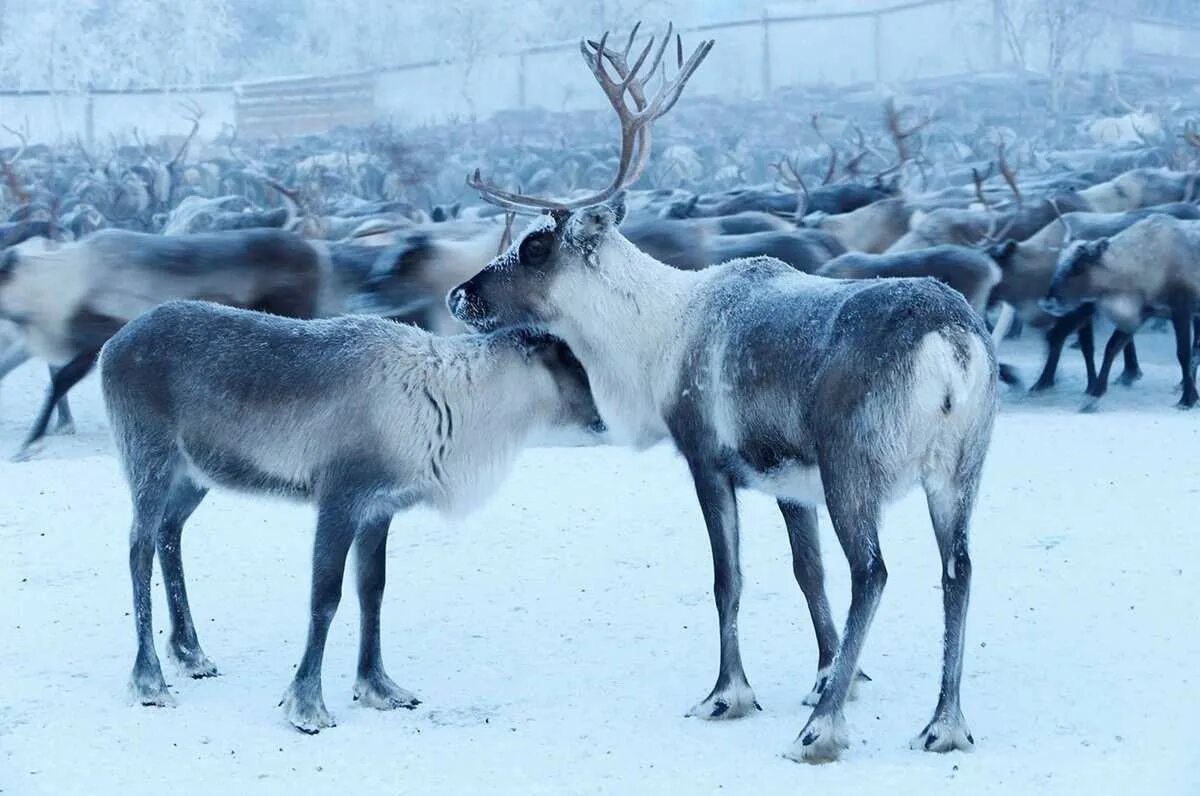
x=944 y=734
x=732 y=702
x=822 y=740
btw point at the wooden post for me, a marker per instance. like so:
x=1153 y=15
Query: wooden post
x=89 y=117
x=766 y=54
x=521 y=80
x=877 y=24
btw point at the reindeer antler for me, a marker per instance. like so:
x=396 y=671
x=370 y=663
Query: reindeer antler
x=789 y=174
x=635 y=123
x=833 y=153
x=1189 y=133
x=979 y=180
x=854 y=163
x=900 y=136
x=1010 y=177
x=10 y=175
x=1058 y=214
x=193 y=113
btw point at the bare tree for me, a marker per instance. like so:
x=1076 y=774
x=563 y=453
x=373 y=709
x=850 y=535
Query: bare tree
x=1064 y=29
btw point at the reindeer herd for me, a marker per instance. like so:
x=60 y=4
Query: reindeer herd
x=825 y=339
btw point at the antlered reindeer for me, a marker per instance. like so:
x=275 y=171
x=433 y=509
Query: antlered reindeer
x=809 y=389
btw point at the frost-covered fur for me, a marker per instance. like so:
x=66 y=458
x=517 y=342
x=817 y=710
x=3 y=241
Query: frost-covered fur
x=814 y=390
x=360 y=416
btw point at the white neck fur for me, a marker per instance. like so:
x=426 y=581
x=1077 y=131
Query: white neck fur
x=624 y=314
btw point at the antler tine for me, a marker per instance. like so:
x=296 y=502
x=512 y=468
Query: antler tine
x=600 y=48
x=1059 y=215
x=899 y=135
x=1009 y=176
x=506 y=237
x=631 y=74
x=666 y=99
x=833 y=158
x=632 y=36
x=635 y=123
x=23 y=137
x=814 y=121
x=195 y=118
x=506 y=200
x=792 y=179
x=979 y=180
x=658 y=56
x=637 y=93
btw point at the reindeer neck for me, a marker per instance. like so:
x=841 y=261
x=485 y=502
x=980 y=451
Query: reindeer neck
x=628 y=325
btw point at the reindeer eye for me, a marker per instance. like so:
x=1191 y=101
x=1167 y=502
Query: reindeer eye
x=535 y=250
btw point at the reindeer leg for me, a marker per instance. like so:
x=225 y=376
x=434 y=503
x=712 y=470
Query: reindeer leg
x=337 y=524
x=1132 y=371
x=65 y=423
x=67 y=377
x=1056 y=338
x=183 y=648
x=1116 y=344
x=732 y=696
x=1087 y=350
x=951 y=500
x=854 y=507
x=1181 y=319
x=373 y=688
x=801 y=521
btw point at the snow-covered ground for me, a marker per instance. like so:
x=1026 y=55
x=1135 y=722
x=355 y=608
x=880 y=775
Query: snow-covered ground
x=558 y=636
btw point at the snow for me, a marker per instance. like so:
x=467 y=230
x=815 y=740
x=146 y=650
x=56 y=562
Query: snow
x=558 y=636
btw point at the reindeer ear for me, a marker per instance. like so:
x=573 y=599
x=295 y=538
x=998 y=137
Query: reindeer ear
x=1000 y=252
x=590 y=224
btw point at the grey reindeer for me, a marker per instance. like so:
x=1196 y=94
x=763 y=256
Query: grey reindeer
x=66 y=300
x=360 y=416
x=812 y=390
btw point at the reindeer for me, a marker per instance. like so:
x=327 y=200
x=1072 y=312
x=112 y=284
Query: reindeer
x=68 y=299
x=967 y=270
x=872 y=229
x=988 y=225
x=1151 y=266
x=360 y=416
x=809 y=389
x=1140 y=188
x=1028 y=267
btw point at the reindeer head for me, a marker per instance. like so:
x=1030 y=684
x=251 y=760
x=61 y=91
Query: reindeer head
x=556 y=257
x=567 y=245
x=1074 y=278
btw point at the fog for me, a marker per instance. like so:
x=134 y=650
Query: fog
x=70 y=45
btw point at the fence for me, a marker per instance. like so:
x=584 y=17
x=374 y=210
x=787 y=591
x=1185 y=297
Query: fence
x=305 y=105
x=887 y=44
